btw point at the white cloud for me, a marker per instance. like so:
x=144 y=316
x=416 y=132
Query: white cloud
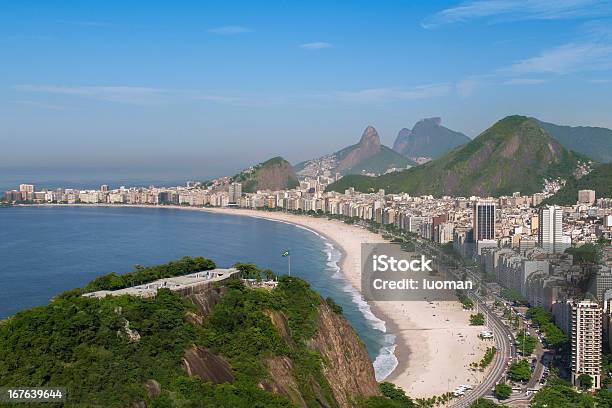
x=123 y=94
x=382 y=95
x=466 y=87
x=315 y=45
x=519 y=10
x=525 y=81
x=40 y=105
x=573 y=57
x=229 y=30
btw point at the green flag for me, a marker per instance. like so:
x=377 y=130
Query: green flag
x=286 y=252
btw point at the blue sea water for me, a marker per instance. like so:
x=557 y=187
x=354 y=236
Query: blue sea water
x=47 y=250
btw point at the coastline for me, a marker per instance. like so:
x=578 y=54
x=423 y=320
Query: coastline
x=431 y=345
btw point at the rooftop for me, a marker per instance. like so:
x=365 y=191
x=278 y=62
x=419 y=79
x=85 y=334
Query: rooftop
x=175 y=283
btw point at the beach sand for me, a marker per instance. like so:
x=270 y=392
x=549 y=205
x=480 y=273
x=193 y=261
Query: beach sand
x=435 y=343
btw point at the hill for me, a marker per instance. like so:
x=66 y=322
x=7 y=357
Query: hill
x=515 y=154
x=594 y=142
x=366 y=156
x=284 y=347
x=428 y=138
x=274 y=174
x=599 y=179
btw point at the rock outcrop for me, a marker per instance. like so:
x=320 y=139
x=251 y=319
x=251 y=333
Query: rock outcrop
x=428 y=138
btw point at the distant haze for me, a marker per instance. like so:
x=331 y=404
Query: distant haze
x=200 y=90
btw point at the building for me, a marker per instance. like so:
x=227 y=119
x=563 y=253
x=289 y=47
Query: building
x=550 y=231
x=235 y=192
x=484 y=220
x=586 y=197
x=586 y=341
x=26 y=188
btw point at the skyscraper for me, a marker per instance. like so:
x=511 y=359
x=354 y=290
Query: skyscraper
x=586 y=341
x=550 y=231
x=235 y=192
x=484 y=220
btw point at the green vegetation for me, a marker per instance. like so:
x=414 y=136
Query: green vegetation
x=515 y=154
x=502 y=391
x=525 y=344
x=513 y=296
x=140 y=275
x=598 y=179
x=554 y=335
x=486 y=360
x=336 y=308
x=585 y=254
x=464 y=299
x=251 y=271
x=381 y=162
x=274 y=174
x=393 y=397
x=104 y=350
x=595 y=142
x=477 y=319
x=558 y=393
x=519 y=371
x=585 y=381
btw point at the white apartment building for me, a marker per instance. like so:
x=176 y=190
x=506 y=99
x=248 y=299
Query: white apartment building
x=586 y=335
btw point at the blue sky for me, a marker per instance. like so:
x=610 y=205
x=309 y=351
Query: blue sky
x=205 y=88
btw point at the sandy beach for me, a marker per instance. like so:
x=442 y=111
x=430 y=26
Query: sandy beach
x=435 y=343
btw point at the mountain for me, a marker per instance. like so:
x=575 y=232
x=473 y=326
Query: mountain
x=274 y=174
x=599 y=179
x=223 y=345
x=367 y=156
x=515 y=154
x=428 y=138
x=595 y=142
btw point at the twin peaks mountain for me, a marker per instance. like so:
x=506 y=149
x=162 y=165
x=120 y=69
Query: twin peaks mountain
x=428 y=138
x=368 y=156
x=515 y=154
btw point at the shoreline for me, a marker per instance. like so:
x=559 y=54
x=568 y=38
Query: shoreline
x=433 y=345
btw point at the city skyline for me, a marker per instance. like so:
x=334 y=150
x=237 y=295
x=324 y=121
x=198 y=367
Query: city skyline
x=115 y=86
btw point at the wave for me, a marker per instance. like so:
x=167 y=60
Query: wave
x=385 y=362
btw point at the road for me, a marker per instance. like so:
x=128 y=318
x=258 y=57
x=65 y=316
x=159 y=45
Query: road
x=499 y=363
x=501 y=333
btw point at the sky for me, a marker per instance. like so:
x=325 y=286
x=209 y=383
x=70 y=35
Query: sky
x=206 y=88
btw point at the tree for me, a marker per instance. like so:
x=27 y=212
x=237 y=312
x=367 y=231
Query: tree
x=585 y=381
x=502 y=391
x=525 y=343
x=477 y=319
x=396 y=394
x=519 y=371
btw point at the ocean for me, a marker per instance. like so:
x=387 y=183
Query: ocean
x=47 y=250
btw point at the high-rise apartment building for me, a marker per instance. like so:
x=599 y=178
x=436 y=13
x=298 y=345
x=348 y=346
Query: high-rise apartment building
x=586 y=197
x=26 y=188
x=586 y=336
x=484 y=221
x=235 y=192
x=550 y=229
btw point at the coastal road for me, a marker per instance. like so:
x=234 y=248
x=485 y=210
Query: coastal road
x=499 y=363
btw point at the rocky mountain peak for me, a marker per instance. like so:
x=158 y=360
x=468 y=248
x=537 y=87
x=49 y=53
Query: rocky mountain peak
x=370 y=137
